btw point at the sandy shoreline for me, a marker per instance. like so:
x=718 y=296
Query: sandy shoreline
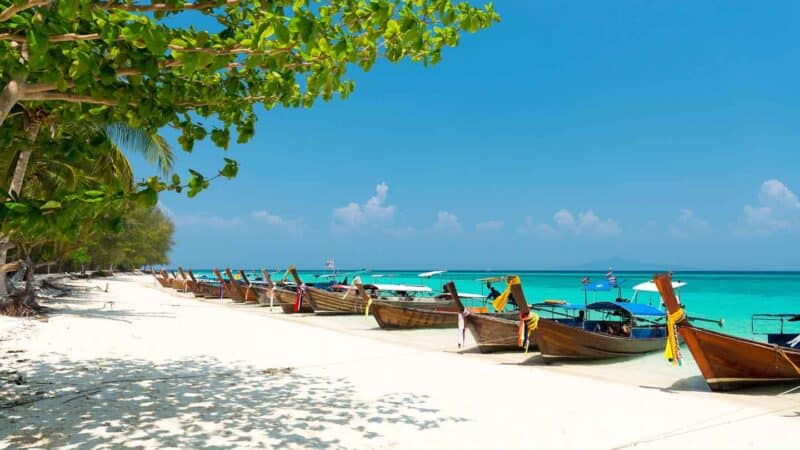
x=142 y=366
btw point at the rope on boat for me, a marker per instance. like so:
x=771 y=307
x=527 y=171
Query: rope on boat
x=786 y=357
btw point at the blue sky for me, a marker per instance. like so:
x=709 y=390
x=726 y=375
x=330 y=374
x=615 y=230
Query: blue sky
x=567 y=133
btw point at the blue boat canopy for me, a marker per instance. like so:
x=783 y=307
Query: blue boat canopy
x=635 y=309
x=602 y=285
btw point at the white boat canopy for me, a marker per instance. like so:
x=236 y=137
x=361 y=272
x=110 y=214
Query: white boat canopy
x=401 y=287
x=430 y=274
x=465 y=295
x=649 y=286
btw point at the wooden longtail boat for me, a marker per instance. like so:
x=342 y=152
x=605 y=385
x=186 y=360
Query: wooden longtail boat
x=173 y=281
x=285 y=296
x=229 y=290
x=328 y=302
x=163 y=278
x=245 y=289
x=188 y=283
x=390 y=316
x=558 y=340
x=494 y=332
x=206 y=289
x=729 y=362
x=256 y=290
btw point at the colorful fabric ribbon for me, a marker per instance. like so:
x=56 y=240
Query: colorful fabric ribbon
x=527 y=324
x=462 y=328
x=298 y=303
x=500 y=302
x=672 y=351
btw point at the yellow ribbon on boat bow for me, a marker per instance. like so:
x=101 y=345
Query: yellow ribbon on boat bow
x=500 y=302
x=526 y=326
x=672 y=352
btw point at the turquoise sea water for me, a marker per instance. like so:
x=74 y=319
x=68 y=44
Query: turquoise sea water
x=734 y=296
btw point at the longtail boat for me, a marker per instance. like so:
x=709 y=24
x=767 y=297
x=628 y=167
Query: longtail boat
x=163 y=278
x=228 y=288
x=205 y=288
x=245 y=288
x=729 y=362
x=329 y=302
x=188 y=284
x=635 y=333
x=174 y=282
x=625 y=329
x=391 y=316
x=356 y=298
x=284 y=295
x=494 y=332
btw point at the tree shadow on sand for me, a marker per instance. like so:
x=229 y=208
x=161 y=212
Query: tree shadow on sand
x=197 y=403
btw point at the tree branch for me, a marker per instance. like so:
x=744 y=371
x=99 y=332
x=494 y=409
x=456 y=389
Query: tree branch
x=72 y=98
x=153 y=7
x=163 y=7
x=14 y=9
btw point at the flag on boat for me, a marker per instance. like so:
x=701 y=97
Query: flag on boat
x=612 y=279
x=329 y=264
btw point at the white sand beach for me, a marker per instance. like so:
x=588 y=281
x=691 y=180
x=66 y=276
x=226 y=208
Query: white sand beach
x=141 y=366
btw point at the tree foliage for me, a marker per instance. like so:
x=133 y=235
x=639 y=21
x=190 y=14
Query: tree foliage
x=87 y=61
x=145 y=238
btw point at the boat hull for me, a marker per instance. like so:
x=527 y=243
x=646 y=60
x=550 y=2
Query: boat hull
x=496 y=333
x=560 y=341
x=286 y=300
x=208 y=290
x=391 y=316
x=325 y=302
x=728 y=362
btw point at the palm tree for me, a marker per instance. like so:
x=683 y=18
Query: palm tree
x=52 y=167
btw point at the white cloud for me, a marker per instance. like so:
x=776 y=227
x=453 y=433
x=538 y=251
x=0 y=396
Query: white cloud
x=489 y=225
x=586 y=222
x=446 y=221
x=687 y=224
x=353 y=216
x=778 y=209
x=530 y=226
x=775 y=194
x=268 y=218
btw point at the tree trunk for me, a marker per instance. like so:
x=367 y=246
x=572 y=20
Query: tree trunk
x=19 y=173
x=9 y=96
x=3 y=254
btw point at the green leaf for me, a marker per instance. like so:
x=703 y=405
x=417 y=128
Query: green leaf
x=50 y=205
x=17 y=207
x=230 y=170
x=93 y=193
x=37 y=48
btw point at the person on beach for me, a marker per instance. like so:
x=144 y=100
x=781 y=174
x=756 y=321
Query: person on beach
x=494 y=293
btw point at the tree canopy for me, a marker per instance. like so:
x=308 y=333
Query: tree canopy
x=70 y=69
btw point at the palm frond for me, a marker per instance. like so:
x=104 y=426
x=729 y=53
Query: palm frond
x=152 y=146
